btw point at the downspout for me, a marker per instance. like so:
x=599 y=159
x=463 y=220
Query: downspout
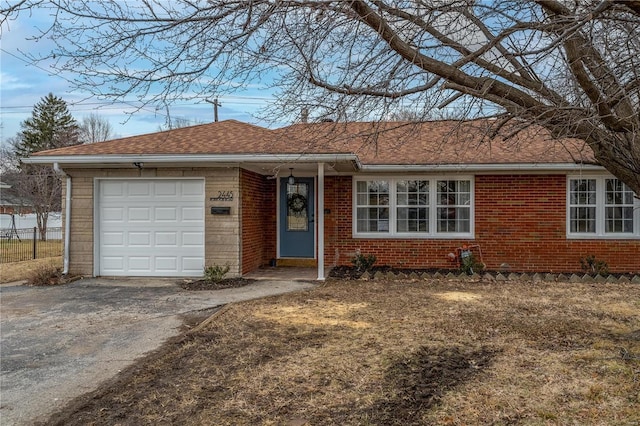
x=67 y=218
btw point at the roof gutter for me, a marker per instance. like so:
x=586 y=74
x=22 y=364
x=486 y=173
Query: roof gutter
x=191 y=158
x=303 y=158
x=498 y=167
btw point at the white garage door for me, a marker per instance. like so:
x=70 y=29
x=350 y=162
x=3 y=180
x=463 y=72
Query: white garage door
x=151 y=227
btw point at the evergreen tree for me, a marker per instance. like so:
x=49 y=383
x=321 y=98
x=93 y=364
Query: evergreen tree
x=50 y=126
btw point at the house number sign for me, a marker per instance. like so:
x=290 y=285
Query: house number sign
x=223 y=196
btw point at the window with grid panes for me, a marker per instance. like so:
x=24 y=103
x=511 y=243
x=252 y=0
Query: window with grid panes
x=372 y=210
x=618 y=207
x=413 y=207
x=602 y=206
x=454 y=206
x=582 y=205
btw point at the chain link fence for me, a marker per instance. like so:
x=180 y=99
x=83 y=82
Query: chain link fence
x=18 y=245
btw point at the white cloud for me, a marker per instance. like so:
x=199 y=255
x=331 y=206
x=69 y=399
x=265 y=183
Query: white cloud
x=11 y=82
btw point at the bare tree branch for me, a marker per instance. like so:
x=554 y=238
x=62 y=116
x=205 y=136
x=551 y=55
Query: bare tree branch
x=571 y=67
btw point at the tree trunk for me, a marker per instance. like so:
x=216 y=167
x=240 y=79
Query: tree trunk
x=41 y=219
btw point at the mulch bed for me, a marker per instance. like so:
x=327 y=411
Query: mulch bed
x=215 y=285
x=351 y=273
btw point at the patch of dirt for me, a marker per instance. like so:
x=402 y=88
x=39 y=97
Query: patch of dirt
x=458 y=296
x=215 y=285
x=417 y=381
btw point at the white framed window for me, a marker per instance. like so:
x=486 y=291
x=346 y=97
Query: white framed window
x=582 y=206
x=601 y=207
x=372 y=206
x=618 y=207
x=454 y=206
x=413 y=207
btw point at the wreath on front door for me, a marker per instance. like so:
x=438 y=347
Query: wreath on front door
x=297 y=203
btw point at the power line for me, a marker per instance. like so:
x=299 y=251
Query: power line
x=234 y=100
x=58 y=74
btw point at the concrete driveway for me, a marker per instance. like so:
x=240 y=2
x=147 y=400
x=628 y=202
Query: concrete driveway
x=60 y=342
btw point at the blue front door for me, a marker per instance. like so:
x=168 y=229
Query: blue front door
x=297 y=227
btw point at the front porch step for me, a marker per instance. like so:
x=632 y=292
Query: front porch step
x=297 y=262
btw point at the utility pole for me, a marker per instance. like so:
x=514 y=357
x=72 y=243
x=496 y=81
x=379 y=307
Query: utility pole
x=216 y=104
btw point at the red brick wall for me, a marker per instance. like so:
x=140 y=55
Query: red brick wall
x=7 y=210
x=15 y=210
x=520 y=221
x=258 y=227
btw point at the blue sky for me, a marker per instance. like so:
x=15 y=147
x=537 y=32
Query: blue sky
x=23 y=84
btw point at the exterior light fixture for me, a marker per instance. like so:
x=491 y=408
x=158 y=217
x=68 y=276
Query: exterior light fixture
x=291 y=180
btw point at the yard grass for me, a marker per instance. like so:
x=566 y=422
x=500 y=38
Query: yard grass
x=18 y=271
x=393 y=353
x=18 y=251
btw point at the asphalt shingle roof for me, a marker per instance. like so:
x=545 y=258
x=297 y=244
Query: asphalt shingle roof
x=375 y=143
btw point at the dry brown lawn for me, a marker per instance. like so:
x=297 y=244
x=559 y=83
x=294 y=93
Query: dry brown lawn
x=18 y=271
x=393 y=353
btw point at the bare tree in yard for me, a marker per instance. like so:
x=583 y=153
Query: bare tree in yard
x=95 y=128
x=50 y=126
x=40 y=188
x=569 y=66
x=178 y=122
x=10 y=161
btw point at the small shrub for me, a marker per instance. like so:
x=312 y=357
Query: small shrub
x=215 y=273
x=466 y=264
x=591 y=265
x=46 y=275
x=469 y=265
x=363 y=262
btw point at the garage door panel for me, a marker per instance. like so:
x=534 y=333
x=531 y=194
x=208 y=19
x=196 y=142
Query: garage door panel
x=166 y=189
x=193 y=239
x=139 y=263
x=166 y=214
x=139 y=239
x=167 y=264
x=192 y=213
x=113 y=239
x=112 y=214
x=165 y=239
x=111 y=189
x=151 y=227
x=139 y=189
x=139 y=214
x=113 y=263
x=193 y=264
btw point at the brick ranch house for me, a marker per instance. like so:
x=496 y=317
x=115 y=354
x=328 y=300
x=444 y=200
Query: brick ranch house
x=173 y=202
